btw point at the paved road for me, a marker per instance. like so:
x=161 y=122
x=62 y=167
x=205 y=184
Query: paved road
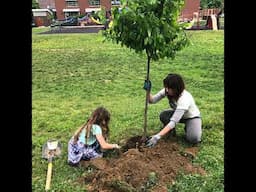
x=75 y=29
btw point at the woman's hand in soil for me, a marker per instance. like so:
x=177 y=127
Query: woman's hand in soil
x=153 y=141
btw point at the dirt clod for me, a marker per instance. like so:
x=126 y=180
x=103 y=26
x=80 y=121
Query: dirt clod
x=140 y=170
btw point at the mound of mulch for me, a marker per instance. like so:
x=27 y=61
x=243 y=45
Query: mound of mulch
x=136 y=168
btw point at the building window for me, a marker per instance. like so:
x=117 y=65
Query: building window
x=94 y=2
x=116 y=2
x=71 y=3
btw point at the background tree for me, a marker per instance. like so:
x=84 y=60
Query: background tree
x=35 y=4
x=151 y=26
x=207 y=4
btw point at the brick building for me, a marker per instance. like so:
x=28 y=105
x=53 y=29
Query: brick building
x=190 y=7
x=42 y=17
x=65 y=8
x=46 y=4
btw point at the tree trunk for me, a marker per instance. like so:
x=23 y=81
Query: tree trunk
x=146 y=101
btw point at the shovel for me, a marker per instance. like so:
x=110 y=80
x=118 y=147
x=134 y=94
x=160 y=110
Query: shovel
x=51 y=149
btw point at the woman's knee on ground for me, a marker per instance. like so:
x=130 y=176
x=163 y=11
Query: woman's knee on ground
x=194 y=130
x=193 y=138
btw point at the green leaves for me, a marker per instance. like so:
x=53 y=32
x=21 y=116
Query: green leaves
x=150 y=26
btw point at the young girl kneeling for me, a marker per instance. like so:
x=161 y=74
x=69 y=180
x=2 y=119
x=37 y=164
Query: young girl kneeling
x=89 y=140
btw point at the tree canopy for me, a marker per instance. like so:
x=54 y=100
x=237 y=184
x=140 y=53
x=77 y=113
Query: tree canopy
x=211 y=4
x=150 y=25
x=35 y=4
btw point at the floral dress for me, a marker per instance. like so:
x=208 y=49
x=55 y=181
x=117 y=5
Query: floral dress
x=82 y=150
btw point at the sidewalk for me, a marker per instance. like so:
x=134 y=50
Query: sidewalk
x=75 y=29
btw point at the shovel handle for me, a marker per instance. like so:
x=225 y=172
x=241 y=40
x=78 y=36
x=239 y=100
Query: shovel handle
x=49 y=175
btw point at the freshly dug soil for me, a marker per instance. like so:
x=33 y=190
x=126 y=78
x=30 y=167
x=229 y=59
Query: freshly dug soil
x=137 y=168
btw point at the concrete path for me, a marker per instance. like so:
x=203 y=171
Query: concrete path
x=75 y=29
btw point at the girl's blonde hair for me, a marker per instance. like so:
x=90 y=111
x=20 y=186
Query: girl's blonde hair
x=101 y=117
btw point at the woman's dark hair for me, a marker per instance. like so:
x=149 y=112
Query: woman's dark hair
x=176 y=83
x=101 y=117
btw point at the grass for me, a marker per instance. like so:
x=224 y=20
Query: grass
x=72 y=74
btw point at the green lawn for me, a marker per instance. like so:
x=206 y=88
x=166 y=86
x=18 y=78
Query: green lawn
x=72 y=74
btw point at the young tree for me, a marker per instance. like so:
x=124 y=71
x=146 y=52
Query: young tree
x=151 y=26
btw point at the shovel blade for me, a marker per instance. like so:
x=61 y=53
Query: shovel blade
x=51 y=149
x=52 y=144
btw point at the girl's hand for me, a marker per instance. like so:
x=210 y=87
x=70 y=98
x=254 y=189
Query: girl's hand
x=116 y=146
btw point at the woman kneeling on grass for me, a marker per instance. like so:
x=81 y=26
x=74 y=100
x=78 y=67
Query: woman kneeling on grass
x=89 y=140
x=183 y=109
